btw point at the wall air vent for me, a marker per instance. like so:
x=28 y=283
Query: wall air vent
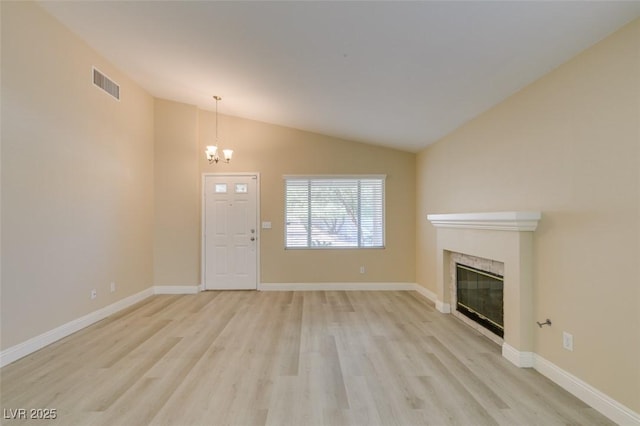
x=106 y=84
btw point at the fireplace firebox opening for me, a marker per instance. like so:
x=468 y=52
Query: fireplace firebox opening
x=480 y=297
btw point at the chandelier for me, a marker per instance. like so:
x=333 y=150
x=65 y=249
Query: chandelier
x=212 y=150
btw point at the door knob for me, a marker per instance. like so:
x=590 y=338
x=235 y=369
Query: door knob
x=253 y=238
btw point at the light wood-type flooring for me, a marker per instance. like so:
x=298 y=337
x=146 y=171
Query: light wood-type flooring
x=284 y=358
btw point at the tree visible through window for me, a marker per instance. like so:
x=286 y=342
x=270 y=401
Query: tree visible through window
x=334 y=212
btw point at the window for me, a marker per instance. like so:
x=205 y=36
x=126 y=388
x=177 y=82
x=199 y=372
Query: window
x=334 y=212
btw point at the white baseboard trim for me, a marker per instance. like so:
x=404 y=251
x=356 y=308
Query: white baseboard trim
x=587 y=393
x=445 y=308
x=335 y=286
x=428 y=294
x=442 y=307
x=27 y=347
x=176 y=289
x=517 y=358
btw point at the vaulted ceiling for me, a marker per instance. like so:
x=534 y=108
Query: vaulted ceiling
x=397 y=74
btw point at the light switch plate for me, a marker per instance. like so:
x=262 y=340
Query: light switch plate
x=266 y=225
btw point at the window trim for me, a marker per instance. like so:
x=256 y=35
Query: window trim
x=382 y=177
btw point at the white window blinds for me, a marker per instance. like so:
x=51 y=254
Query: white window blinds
x=334 y=212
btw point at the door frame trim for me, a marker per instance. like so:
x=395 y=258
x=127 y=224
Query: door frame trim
x=203 y=206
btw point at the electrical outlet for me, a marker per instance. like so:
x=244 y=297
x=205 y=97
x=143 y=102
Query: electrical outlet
x=94 y=293
x=113 y=286
x=567 y=341
x=362 y=269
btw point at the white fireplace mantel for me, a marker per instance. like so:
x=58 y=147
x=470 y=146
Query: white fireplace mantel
x=497 y=221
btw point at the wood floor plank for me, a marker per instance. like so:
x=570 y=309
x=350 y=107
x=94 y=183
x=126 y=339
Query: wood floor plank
x=456 y=369
x=284 y=358
x=290 y=355
x=123 y=380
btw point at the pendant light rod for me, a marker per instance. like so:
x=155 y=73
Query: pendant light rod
x=217 y=98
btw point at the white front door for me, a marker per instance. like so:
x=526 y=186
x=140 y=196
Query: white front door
x=230 y=247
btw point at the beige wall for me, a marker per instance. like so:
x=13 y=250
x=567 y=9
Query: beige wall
x=176 y=250
x=77 y=178
x=569 y=146
x=274 y=151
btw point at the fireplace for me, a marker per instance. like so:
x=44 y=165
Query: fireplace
x=471 y=301
x=503 y=240
x=480 y=297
